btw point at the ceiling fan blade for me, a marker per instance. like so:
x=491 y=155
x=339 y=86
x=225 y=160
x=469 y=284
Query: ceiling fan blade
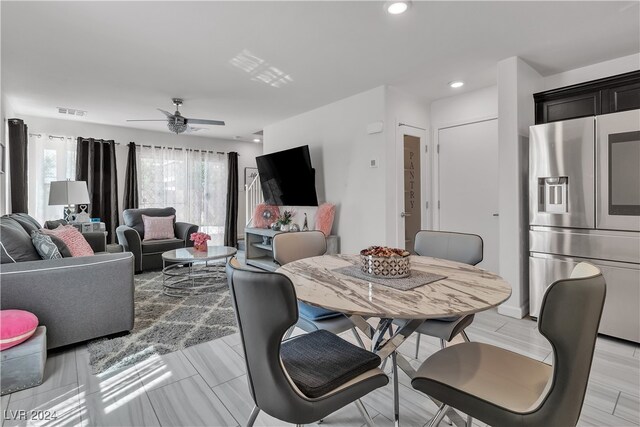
x=191 y=129
x=166 y=113
x=148 y=120
x=205 y=122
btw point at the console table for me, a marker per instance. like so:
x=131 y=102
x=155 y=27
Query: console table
x=259 y=249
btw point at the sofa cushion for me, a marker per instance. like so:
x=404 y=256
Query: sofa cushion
x=61 y=245
x=158 y=227
x=16 y=326
x=133 y=217
x=27 y=222
x=54 y=223
x=45 y=246
x=77 y=244
x=156 y=246
x=15 y=242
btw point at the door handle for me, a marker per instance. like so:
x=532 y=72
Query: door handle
x=404 y=214
x=495 y=214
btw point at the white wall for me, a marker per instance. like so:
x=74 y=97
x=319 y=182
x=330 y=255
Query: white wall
x=467 y=107
x=122 y=135
x=341 y=151
x=517 y=82
x=600 y=70
x=6 y=112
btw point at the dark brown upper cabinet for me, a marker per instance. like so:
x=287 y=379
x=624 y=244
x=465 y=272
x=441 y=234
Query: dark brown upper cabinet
x=603 y=96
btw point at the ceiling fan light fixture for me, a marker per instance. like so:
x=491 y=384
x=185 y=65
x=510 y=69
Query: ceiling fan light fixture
x=176 y=127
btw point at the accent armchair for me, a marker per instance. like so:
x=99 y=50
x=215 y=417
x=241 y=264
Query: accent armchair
x=148 y=253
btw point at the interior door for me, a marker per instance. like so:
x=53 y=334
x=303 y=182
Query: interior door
x=412 y=190
x=468 y=184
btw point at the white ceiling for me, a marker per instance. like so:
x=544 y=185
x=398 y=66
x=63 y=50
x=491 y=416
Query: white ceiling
x=122 y=60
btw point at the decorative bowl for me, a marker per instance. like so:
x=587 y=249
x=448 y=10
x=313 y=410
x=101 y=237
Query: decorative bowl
x=391 y=267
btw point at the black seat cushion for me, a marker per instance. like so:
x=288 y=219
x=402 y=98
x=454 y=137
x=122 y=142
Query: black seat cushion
x=320 y=362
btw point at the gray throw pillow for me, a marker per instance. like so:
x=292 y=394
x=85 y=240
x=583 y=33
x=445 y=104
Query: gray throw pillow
x=55 y=223
x=45 y=246
x=62 y=246
x=16 y=243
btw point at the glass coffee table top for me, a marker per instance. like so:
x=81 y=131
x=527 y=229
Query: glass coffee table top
x=187 y=271
x=190 y=254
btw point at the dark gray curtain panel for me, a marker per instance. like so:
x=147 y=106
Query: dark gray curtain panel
x=18 y=174
x=131 y=180
x=231 y=221
x=96 y=164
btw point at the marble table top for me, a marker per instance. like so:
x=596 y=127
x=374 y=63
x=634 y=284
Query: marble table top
x=466 y=289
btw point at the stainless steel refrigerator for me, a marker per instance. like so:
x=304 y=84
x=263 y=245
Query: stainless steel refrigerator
x=584 y=205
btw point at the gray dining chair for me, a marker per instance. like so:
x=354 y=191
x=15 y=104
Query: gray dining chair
x=460 y=247
x=500 y=387
x=289 y=247
x=303 y=379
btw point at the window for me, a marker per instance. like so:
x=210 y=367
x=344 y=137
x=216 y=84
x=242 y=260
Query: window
x=51 y=158
x=191 y=181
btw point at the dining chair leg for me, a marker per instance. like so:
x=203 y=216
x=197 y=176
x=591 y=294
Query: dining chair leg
x=465 y=336
x=396 y=396
x=287 y=335
x=253 y=416
x=437 y=418
x=358 y=339
x=443 y=343
x=418 y=343
x=364 y=413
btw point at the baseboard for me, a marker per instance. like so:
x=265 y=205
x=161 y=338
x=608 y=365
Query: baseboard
x=515 y=312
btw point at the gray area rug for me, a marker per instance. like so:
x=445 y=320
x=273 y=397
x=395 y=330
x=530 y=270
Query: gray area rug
x=164 y=324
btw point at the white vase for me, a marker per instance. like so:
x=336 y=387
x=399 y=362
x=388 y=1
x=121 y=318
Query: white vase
x=284 y=227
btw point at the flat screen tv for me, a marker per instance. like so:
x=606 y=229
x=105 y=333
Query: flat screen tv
x=287 y=178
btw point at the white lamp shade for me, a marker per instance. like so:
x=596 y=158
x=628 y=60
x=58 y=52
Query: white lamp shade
x=68 y=193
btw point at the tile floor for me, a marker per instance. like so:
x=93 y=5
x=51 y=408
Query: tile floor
x=206 y=385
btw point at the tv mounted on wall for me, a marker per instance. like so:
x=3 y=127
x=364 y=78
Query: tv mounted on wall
x=287 y=178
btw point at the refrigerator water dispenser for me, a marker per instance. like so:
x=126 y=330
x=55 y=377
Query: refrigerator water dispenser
x=552 y=194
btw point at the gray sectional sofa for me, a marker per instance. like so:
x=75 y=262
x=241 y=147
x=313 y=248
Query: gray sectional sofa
x=77 y=298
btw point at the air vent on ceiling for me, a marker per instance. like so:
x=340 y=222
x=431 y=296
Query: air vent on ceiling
x=72 y=111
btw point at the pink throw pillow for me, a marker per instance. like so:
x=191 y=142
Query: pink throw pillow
x=158 y=227
x=324 y=218
x=16 y=326
x=259 y=220
x=75 y=241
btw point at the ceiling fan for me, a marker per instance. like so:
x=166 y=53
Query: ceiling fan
x=177 y=123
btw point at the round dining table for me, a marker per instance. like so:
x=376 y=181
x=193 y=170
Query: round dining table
x=375 y=308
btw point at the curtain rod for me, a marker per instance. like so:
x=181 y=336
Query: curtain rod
x=137 y=145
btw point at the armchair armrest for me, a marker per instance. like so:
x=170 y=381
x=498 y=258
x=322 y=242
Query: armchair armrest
x=97 y=240
x=131 y=242
x=184 y=230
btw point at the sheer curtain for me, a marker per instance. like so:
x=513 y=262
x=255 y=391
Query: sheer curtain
x=193 y=182
x=51 y=158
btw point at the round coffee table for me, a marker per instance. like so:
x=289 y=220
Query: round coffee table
x=184 y=269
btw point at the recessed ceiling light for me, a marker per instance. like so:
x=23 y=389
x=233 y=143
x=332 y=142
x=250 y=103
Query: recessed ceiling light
x=256 y=139
x=456 y=84
x=397 y=7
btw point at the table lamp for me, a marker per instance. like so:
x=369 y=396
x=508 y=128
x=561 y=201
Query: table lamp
x=68 y=193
